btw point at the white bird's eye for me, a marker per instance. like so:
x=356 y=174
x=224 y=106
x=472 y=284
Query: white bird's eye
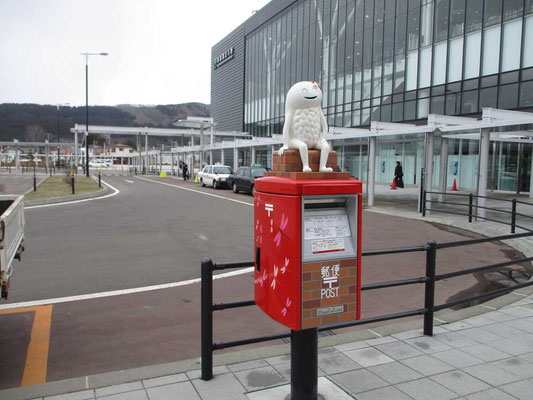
x=304 y=91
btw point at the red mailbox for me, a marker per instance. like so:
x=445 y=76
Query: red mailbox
x=307 y=236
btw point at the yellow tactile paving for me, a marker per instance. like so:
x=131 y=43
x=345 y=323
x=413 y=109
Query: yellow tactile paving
x=37 y=356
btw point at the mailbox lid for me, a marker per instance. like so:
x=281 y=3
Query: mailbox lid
x=298 y=187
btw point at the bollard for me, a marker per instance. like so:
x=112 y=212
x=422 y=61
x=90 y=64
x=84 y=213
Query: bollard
x=99 y=178
x=72 y=181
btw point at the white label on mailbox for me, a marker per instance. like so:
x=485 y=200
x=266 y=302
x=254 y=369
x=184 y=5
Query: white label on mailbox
x=327 y=245
x=329 y=310
x=326 y=226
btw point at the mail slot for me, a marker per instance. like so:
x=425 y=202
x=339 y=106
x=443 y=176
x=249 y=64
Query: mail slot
x=307 y=237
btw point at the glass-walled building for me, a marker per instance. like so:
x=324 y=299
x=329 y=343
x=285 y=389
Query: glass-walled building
x=388 y=60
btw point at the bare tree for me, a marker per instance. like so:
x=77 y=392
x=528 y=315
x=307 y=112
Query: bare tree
x=34 y=133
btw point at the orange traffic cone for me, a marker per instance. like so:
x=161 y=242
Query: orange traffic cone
x=454 y=187
x=393 y=186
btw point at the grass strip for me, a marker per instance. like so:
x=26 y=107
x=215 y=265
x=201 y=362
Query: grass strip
x=58 y=186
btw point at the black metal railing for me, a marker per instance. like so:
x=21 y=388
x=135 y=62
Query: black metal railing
x=472 y=208
x=429 y=280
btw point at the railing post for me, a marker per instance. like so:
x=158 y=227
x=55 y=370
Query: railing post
x=470 y=206
x=424 y=203
x=421 y=194
x=207 y=319
x=429 y=298
x=513 y=217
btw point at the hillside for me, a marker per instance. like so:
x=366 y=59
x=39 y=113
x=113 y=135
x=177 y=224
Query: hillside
x=35 y=122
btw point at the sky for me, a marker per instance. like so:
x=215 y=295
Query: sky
x=159 y=50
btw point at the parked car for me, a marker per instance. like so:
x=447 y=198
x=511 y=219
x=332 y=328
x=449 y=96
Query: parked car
x=244 y=178
x=97 y=164
x=215 y=175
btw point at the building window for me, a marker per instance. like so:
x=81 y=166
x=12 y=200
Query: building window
x=491 y=50
x=474 y=13
x=455 y=59
x=512 y=38
x=528 y=41
x=473 y=51
x=526 y=94
x=439 y=63
x=437 y=105
x=412 y=69
x=488 y=97
x=493 y=12
x=508 y=96
x=426 y=23
x=457 y=17
x=512 y=9
x=413 y=28
x=441 y=20
x=469 y=102
x=425 y=67
x=423 y=108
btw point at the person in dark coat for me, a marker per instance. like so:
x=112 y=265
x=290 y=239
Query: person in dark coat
x=185 y=168
x=398 y=175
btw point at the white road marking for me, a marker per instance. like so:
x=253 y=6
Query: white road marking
x=116 y=191
x=120 y=292
x=128 y=181
x=439 y=320
x=198 y=191
x=203 y=237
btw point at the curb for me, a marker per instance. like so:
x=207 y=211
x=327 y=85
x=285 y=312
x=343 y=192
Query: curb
x=68 y=199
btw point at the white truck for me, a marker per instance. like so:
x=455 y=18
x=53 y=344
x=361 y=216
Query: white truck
x=11 y=237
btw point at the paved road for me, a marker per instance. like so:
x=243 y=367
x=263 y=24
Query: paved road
x=17 y=183
x=148 y=234
x=156 y=231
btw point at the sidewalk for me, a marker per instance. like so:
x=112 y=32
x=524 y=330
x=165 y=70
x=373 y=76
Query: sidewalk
x=488 y=356
x=481 y=352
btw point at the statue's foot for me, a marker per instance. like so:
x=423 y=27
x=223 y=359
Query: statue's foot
x=326 y=169
x=306 y=169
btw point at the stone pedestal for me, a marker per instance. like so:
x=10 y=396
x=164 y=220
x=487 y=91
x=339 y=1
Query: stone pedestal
x=289 y=165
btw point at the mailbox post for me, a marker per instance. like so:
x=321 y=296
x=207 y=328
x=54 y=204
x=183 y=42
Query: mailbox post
x=307 y=238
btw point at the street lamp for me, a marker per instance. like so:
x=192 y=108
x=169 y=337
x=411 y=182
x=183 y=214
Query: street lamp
x=87 y=106
x=59 y=147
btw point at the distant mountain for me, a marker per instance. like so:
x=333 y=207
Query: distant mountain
x=35 y=122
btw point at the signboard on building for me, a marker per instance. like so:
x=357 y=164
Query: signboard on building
x=223 y=58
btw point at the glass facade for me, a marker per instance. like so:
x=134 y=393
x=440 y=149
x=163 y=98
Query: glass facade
x=390 y=60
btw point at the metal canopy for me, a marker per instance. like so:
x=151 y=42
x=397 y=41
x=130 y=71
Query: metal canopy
x=36 y=144
x=126 y=130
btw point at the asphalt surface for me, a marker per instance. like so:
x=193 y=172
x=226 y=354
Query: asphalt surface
x=17 y=183
x=156 y=231
x=148 y=234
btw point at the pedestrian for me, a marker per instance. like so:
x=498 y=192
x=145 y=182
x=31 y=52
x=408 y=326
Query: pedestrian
x=398 y=175
x=185 y=168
